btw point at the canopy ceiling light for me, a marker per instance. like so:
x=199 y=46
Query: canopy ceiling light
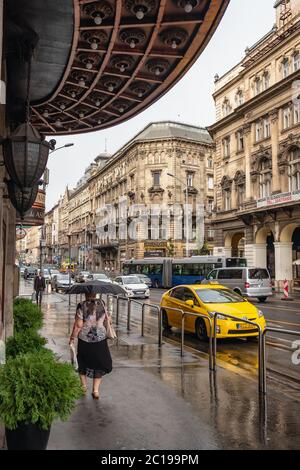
x=134 y=41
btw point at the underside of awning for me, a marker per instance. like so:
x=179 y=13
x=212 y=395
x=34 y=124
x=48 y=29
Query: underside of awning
x=98 y=63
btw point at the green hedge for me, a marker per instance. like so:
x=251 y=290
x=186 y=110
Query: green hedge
x=22 y=300
x=26 y=315
x=36 y=388
x=24 y=342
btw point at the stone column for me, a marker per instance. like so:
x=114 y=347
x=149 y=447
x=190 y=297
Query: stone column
x=247 y=144
x=274 y=116
x=283 y=262
x=260 y=255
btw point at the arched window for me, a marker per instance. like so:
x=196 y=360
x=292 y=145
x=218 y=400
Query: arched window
x=240 y=186
x=226 y=108
x=210 y=163
x=266 y=80
x=296 y=61
x=226 y=185
x=294 y=170
x=265 y=178
x=239 y=98
x=285 y=67
x=257 y=86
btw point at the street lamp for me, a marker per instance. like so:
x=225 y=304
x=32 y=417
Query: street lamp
x=186 y=189
x=69 y=247
x=62 y=147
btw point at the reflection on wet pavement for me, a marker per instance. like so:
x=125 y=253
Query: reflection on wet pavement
x=156 y=399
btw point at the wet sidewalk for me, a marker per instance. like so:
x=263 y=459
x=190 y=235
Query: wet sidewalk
x=154 y=399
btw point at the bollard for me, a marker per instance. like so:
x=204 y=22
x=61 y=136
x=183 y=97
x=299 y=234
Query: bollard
x=110 y=306
x=286 y=291
x=128 y=314
x=118 y=310
x=160 y=330
x=143 y=318
x=182 y=334
x=215 y=343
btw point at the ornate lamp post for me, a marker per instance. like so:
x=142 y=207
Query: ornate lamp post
x=21 y=198
x=25 y=155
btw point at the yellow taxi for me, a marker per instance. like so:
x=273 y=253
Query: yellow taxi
x=206 y=299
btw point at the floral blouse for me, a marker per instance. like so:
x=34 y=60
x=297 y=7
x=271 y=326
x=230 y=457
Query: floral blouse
x=93 y=313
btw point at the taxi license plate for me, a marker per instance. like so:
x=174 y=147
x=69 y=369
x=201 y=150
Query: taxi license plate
x=244 y=326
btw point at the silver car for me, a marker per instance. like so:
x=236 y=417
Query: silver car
x=248 y=282
x=61 y=282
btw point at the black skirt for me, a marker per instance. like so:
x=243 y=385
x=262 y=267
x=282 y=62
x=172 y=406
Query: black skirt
x=94 y=359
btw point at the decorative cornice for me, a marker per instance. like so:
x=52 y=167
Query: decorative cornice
x=245 y=110
x=274 y=115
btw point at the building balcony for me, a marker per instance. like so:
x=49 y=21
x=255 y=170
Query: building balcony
x=103 y=247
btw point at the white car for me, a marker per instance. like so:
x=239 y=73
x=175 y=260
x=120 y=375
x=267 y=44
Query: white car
x=98 y=277
x=133 y=286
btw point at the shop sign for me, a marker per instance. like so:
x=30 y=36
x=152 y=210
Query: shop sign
x=277 y=199
x=154 y=254
x=36 y=215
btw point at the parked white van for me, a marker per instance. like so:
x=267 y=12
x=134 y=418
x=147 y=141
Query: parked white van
x=248 y=282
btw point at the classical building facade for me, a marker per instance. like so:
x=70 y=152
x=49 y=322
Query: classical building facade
x=151 y=171
x=257 y=157
x=29 y=246
x=161 y=169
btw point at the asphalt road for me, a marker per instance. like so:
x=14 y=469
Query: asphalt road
x=239 y=352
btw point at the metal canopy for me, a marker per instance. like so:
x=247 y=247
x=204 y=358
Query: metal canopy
x=125 y=54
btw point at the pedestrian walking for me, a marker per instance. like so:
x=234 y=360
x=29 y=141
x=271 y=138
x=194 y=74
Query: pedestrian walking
x=39 y=287
x=93 y=355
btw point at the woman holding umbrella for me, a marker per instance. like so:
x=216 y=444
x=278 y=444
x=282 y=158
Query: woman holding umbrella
x=93 y=355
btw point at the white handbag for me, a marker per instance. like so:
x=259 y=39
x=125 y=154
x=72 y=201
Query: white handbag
x=110 y=332
x=73 y=355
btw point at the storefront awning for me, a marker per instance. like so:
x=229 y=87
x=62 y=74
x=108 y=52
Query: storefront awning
x=122 y=56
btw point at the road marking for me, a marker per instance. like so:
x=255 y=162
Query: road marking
x=283 y=322
x=280 y=347
x=282 y=309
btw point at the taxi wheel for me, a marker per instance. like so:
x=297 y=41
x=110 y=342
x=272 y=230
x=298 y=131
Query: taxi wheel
x=200 y=329
x=165 y=322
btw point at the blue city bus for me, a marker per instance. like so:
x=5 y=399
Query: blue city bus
x=170 y=272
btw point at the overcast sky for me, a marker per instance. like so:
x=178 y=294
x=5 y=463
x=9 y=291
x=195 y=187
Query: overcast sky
x=190 y=101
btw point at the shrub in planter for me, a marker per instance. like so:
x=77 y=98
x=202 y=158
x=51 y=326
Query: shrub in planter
x=35 y=390
x=24 y=342
x=27 y=316
x=21 y=300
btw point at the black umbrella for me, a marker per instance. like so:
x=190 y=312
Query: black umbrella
x=96 y=287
